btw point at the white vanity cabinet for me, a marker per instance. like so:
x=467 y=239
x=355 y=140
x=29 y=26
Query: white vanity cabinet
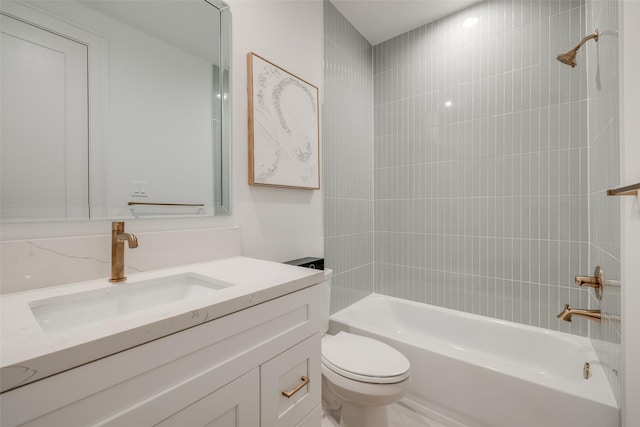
x=230 y=371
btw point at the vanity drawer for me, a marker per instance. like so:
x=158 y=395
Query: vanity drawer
x=285 y=373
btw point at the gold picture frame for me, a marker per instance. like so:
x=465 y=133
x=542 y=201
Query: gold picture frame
x=284 y=130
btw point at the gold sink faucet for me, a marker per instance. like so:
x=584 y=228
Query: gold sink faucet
x=118 y=237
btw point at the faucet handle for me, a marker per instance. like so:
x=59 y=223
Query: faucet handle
x=596 y=281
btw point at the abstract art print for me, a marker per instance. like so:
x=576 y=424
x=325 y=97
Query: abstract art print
x=283 y=127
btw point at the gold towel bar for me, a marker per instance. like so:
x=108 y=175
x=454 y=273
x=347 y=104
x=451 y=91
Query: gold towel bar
x=165 y=204
x=629 y=190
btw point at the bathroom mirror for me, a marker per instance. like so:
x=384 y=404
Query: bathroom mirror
x=115 y=109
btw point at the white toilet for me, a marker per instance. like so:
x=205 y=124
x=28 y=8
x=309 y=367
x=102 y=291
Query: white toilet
x=360 y=376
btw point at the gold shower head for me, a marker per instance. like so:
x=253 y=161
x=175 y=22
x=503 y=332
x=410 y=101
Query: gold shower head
x=569 y=57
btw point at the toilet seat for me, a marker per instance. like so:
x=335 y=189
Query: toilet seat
x=364 y=359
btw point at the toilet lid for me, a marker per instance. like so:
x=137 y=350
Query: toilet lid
x=364 y=359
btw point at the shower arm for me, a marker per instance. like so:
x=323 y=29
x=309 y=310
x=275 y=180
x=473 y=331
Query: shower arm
x=595 y=36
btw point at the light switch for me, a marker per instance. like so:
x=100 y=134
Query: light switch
x=139 y=189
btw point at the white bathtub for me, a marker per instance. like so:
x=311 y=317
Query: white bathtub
x=477 y=371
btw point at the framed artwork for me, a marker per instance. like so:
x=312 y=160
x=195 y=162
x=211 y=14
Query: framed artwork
x=284 y=136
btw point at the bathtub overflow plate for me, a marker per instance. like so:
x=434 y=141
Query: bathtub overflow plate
x=586 y=371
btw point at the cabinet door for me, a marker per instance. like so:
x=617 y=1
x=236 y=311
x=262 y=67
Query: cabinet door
x=284 y=373
x=234 y=405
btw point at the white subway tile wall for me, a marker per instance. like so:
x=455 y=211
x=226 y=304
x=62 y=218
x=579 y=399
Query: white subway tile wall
x=348 y=159
x=604 y=169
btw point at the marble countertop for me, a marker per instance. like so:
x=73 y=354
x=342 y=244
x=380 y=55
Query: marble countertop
x=29 y=353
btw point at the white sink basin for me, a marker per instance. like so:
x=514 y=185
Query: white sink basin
x=68 y=311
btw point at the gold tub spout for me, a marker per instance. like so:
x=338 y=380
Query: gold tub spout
x=568 y=312
x=118 y=237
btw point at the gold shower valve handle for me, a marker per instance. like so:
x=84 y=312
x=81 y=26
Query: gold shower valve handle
x=593 y=282
x=596 y=281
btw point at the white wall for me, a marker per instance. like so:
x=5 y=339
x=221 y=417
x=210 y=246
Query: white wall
x=277 y=224
x=630 y=212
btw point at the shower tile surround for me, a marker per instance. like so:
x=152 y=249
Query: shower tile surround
x=604 y=154
x=481 y=163
x=456 y=110
x=348 y=159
